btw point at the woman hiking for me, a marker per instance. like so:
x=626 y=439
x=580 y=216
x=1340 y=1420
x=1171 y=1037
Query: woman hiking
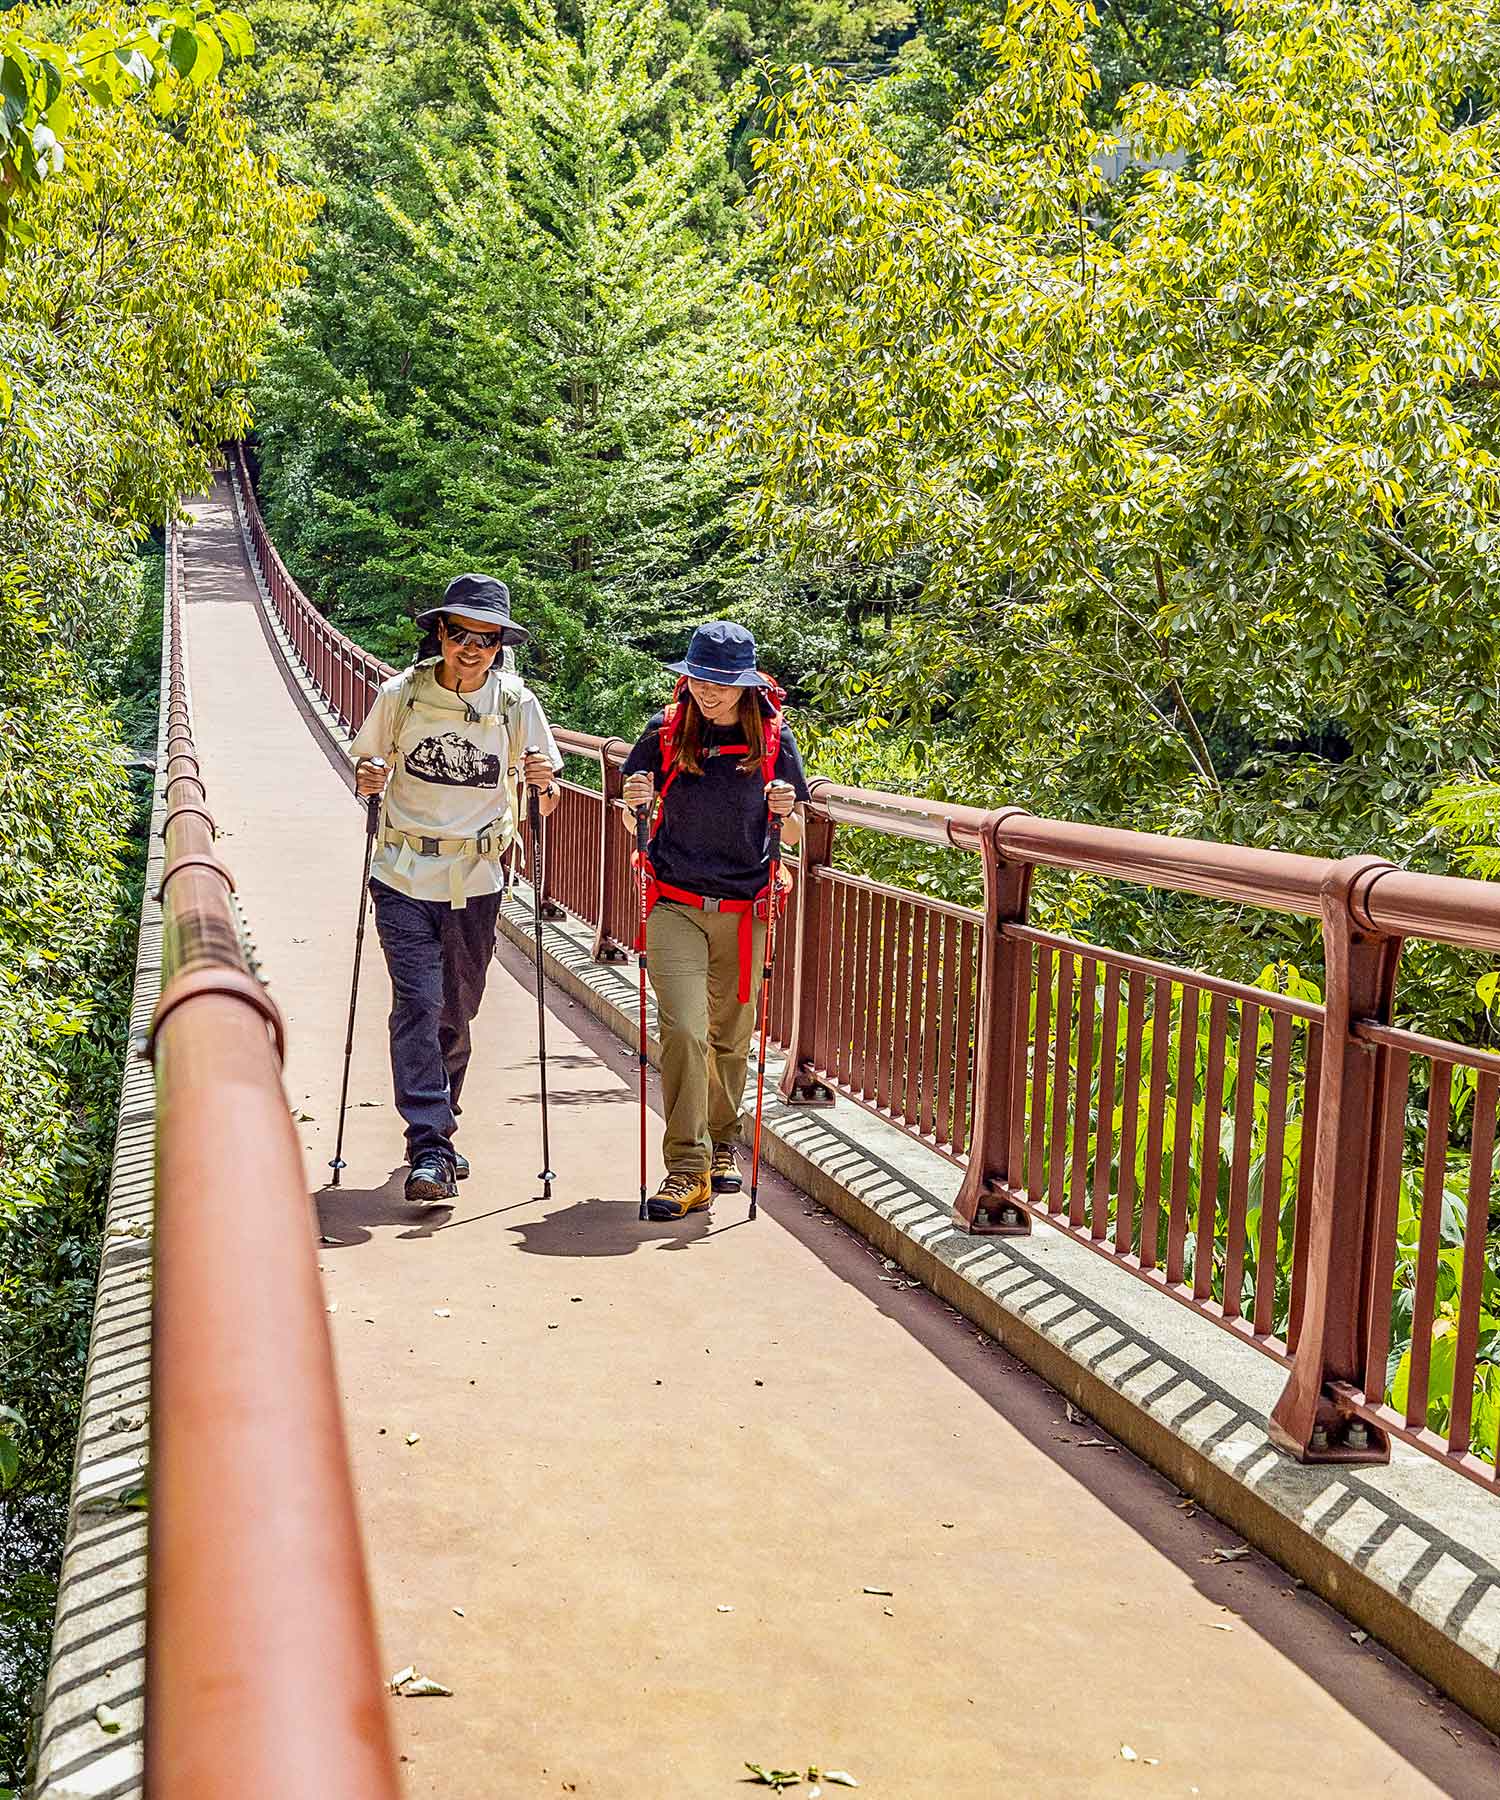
x=715 y=765
x=458 y=737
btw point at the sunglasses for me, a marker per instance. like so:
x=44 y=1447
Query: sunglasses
x=479 y=640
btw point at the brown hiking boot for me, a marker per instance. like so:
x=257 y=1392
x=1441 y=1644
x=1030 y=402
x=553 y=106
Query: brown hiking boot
x=725 y=1171
x=684 y=1191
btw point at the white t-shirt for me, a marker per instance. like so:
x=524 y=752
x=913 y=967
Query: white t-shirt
x=455 y=760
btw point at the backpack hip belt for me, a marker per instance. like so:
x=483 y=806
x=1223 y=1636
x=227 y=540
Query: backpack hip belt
x=488 y=846
x=748 y=912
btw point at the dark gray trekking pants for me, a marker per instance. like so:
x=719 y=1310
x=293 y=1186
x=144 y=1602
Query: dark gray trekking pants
x=438 y=957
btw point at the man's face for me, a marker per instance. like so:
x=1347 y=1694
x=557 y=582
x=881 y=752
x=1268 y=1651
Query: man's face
x=467 y=660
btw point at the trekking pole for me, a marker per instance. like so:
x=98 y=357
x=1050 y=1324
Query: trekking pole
x=372 y=829
x=642 y=852
x=534 y=820
x=765 y=1006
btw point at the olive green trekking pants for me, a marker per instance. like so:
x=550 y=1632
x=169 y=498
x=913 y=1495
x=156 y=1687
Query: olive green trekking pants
x=693 y=959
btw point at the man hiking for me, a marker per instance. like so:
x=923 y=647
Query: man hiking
x=459 y=737
x=721 y=761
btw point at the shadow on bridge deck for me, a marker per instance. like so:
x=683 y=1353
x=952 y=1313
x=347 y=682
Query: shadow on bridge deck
x=652 y=1515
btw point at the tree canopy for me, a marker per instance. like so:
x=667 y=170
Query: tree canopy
x=1194 y=474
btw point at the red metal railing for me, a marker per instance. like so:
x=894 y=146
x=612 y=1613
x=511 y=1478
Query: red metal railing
x=1244 y=1151
x=261 y=1667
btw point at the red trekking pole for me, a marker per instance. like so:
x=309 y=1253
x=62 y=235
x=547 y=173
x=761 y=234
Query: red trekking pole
x=765 y=1004
x=642 y=852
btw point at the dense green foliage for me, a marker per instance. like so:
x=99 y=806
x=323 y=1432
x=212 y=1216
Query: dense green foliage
x=525 y=298
x=149 y=247
x=1193 y=477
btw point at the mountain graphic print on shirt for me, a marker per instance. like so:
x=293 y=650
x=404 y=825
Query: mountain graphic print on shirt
x=454 y=761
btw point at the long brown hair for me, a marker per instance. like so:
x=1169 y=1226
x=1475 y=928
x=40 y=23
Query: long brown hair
x=687 y=743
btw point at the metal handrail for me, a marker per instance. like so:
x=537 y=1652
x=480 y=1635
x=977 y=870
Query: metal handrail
x=262 y=1673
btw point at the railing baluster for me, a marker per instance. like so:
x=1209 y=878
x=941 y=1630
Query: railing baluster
x=1184 y=1098
x=1247 y=1056
x=1476 y=1228
x=1429 y=1240
x=1208 y=1165
x=1083 y=1084
x=1057 y=1133
x=1104 y=1136
x=1273 y=1176
x=1130 y=1112
x=1161 y=1057
x=1306 y=1155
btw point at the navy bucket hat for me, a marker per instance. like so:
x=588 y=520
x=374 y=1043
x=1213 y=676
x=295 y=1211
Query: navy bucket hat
x=723 y=652
x=483 y=598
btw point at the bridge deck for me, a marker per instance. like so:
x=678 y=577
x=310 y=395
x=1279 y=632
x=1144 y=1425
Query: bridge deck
x=658 y=1468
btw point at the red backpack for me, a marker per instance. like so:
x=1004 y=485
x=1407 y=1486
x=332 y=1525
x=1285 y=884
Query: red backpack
x=774 y=707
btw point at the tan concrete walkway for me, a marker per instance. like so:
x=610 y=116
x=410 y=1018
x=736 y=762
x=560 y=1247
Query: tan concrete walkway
x=659 y=1470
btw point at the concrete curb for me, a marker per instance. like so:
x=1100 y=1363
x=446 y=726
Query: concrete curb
x=99 y=1633
x=1407 y=1552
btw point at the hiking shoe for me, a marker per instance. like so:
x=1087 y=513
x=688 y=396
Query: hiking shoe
x=460 y=1166
x=429 y=1181
x=725 y=1171
x=684 y=1191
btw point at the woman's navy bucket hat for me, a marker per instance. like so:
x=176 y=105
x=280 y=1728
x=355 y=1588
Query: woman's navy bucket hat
x=723 y=652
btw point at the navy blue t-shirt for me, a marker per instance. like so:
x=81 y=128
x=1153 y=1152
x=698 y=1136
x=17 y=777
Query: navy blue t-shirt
x=714 y=838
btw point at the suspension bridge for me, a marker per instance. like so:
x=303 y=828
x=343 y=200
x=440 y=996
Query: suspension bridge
x=824 y=1492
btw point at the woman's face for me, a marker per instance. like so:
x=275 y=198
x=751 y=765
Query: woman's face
x=718 y=703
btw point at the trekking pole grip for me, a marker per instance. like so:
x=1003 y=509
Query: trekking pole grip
x=372 y=801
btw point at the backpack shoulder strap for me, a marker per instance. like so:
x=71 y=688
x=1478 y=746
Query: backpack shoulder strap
x=775 y=696
x=666 y=739
x=407 y=699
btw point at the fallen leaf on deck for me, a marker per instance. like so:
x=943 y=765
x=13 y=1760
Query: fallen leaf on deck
x=1226 y=1553
x=888 y=1593
x=132 y=1499
x=774 y=1778
x=332 y=1306
x=107 y=1718
x=442 y=1312
x=1127 y=1754
x=1096 y=1444
x=1074 y=1416
x=1359 y=1636
x=413 y=1437
x=424 y=1685
x=840 y=1778
x=459 y=1610
x=305 y=1119
x=726 y=1609
x=1218 y=1627
x=410 y=1685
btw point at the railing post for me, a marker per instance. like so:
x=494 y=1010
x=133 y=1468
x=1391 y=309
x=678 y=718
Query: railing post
x=806 y=1054
x=613 y=847
x=1314 y=1419
x=983 y=1204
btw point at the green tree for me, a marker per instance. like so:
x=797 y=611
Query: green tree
x=1203 y=497
x=561 y=283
